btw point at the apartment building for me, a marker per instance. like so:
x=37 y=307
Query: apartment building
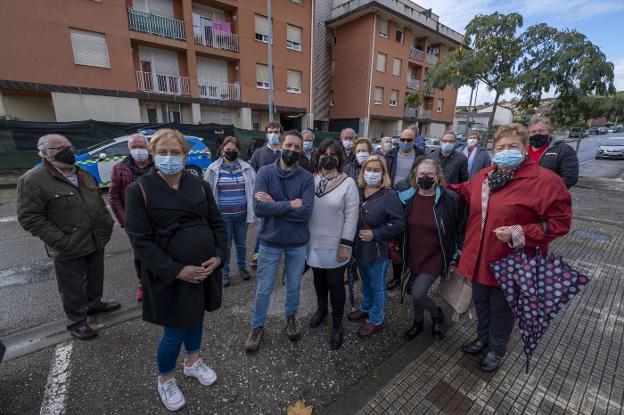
x=189 y=61
x=370 y=64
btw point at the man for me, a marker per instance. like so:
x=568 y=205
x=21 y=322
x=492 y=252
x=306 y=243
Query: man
x=309 y=152
x=347 y=137
x=384 y=146
x=283 y=198
x=61 y=204
x=454 y=164
x=478 y=158
x=551 y=153
x=135 y=165
x=264 y=156
x=401 y=159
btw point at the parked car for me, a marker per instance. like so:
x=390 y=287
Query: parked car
x=610 y=129
x=612 y=147
x=593 y=131
x=576 y=132
x=603 y=130
x=100 y=158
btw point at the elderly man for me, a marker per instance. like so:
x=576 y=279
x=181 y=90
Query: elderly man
x=135 y=165
x=347 y=137
x=401 y=159
x=453 y=162
x=309 y=152
x=551 y=153
x=61 y=204
x=385 y=146
x=478 y=158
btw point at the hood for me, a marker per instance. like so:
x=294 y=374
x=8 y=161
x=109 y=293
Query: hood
x=406 y=195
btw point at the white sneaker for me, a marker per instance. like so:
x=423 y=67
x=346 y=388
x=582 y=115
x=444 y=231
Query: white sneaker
x=201 y=372
x=171 y=395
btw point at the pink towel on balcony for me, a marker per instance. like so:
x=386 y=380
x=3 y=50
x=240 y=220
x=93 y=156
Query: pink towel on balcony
x=226 y=27
x=217 y=25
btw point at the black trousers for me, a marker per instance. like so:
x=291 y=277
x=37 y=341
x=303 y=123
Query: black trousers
x=139 y=271
x=330 y=281
x=495 y=320
x=420 y=296
x=80 y=283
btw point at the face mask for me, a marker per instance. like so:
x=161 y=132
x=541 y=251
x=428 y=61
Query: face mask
x=362 y=156
x=387 y=146
x=273 y=138
x=66 y=156
x=348 y=144
x=328 y=163
x=372 y=178
x=425 y=182
x=230 y=155
x=307 y=145
x=538 y=140
x=169 y=165
x=472 y=142
x=508 y=159
x=447 y=148
x=406 y=147
x=290 y=157
x=139 y=154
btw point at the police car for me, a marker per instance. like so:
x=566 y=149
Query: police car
x=100 y=158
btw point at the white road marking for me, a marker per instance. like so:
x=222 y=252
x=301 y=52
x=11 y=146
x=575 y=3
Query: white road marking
x=585 y=162
x=8 y=219
x=58 y=380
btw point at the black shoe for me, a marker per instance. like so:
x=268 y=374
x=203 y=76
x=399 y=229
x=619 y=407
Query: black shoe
x=437 y=328
x=392 y=284
x=414 y=331
x=337 y=336
x=318 y=317
x=491 y=361
x=475 y=347
x=245 y=274
x=82 y=332
x=226 y=280
x=104 y=307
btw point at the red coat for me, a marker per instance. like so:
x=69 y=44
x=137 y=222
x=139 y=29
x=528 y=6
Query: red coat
x=535 y=198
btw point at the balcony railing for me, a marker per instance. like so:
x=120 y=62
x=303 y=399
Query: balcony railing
x=215 y=38
x=219 y=90
x=413 y=84
x=146 y=22
x=163 y=84
x=431 y=59
x=410 y=113
x=424 y=114
x=417 y=54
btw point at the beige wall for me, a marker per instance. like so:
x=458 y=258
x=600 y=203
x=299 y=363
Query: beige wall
x=437 y=129
x=78 y=107
x=382 y=128
x=27 y=108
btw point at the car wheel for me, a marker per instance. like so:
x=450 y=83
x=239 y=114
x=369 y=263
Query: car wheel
x=193 y=170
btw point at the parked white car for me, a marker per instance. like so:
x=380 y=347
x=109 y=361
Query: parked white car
x=612 y=147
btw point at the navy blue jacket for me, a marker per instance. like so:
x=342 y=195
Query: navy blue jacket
x=263 y=157
x=282 y=226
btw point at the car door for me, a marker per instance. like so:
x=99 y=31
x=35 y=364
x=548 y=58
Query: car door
x=114 y=153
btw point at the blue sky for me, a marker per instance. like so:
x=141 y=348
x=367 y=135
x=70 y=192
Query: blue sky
x=602 y=21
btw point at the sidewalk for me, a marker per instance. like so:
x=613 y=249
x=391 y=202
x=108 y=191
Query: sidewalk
x=578 y=366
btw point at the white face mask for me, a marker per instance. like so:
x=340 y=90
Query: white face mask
x=362 y=156
x=348 y=144
x=139 y=154
x=372 y=178
x=472 y=142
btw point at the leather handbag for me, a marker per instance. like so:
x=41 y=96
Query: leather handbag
x=457 y=292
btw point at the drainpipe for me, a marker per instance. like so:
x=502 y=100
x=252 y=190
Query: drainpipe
x=270 y=19
x=311 y=110
x=370 y=77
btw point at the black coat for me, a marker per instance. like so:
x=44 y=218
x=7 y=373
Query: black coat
x=561 y=159
x=352 y=169
x=391 y=160
x=454 y=166
x=170 y=229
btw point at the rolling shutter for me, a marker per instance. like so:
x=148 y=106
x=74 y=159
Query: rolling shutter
x=294 y=81
x=89 y=48
x=262 y=25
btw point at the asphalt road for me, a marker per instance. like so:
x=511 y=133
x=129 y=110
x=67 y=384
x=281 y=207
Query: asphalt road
x=589 y=166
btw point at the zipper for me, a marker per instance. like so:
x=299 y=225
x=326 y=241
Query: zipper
x=440 y=238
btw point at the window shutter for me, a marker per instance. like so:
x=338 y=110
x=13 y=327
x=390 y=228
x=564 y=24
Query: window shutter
x=262 y=25
x=89 y=48
x=262 y=73
x=381 y=62
x=394 y=97
x=294 y=81
x=396 y=67
x=294 y=34
x=378 y=95
x=383 y=27
x=161 y=8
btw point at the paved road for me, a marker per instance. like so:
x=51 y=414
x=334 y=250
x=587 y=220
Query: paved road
x=589 y=166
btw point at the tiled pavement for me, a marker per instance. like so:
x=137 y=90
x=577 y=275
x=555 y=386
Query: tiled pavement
x=578 y=368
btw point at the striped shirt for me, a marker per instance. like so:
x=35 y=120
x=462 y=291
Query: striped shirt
x=231 y=190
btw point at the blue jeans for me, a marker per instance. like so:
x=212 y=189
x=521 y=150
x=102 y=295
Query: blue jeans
x=268 y=264
x=374 y=291
x=169 y=348
x=237 y=233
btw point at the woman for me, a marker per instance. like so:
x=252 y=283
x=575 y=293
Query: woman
x=177 y=233
x=514 y=204
x=435 y=221
x=380 y=220
x=362 y=148
x=478 y=158
x=332 y=229
x=232 y=181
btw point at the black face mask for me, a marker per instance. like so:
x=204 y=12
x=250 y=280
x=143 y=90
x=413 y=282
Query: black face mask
x=425 y=182
x=290 y=157
x=328 y=163
x=66 y=156
x=538 y=140
x=230 y=155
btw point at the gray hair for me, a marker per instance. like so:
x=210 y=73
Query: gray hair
x=137 y=135
x=44 y=143
x=543 y=120
x=348 y=130
x=307 y=133
x=450 y=133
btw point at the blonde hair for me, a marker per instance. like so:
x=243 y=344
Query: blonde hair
x=422 y=160
x=166 y=134
x=385 y=177
x=512 y=130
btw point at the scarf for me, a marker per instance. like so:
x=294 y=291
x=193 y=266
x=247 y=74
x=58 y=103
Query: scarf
x=329 y=183
x=497 y=179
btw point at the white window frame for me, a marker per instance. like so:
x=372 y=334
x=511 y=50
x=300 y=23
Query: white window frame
x=395 y=102
x=383 y=22
x=74 y=37
x=292 y=45
x=297 y=2
x=394 y=66
x=261 y=37
x=262 y=85
x=380 y=100
x=385 y=61
x=440 y=105
x=292 y=90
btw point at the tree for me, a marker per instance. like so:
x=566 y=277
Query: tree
x=414 y=99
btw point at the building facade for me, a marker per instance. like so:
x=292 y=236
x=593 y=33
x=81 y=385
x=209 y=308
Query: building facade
x=189 y=61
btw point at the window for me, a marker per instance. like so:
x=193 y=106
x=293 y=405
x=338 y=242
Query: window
x=331 y=97
x=293 y=37
x=394 y=97
x=293 y=82
x=262 y=29
x=119 y=149
x=262 y=76
x=299 y=2
x=89 y=48
x=383 y=27
x=378 y=95
x=396 y=67
x=440 y=105
x=381 y=62
x=399 y=35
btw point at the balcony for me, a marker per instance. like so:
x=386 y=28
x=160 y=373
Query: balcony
x=431 y=59
x=424 y=114
x=410 y=113
x=413 y=84
x=154 y=24
x=163 y=84
x=219 y=90
x=215 y=38
x=417 y=54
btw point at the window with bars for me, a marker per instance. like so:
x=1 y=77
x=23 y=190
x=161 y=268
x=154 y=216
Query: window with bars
x=394 y=98
x=381 y=62
x=262 y=76
x=293 y=82
x=262 y=29
x=89 y=48
x=396 y=66
x=378 y=95
x=383 y=27
x=293 y=37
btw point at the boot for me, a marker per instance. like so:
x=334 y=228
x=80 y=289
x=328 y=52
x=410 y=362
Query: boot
x=337 y=333
x=318 y=316
x=437 y=328
x=415 y=330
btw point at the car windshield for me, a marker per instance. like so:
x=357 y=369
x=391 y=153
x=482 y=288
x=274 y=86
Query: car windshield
x=614 y=141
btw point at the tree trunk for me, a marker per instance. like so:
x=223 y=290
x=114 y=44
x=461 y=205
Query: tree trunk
x=491 y=120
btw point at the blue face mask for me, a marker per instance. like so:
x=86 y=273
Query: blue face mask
x=447 y=148
x=406 y=147
x=169 y=165
x=307 y=145
x=273 y=138
x=508 y=159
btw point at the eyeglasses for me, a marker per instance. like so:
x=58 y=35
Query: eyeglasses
x=406 y=140
x=423 y=174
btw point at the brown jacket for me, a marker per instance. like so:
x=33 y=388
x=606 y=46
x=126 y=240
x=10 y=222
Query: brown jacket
x=71 y=221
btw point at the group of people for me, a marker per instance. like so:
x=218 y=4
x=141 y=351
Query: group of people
x=430 y=211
